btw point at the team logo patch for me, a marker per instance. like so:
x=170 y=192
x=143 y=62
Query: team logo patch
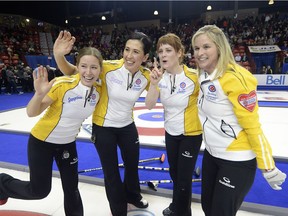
x=138 y=81
x=93 y=96
x=182 y=85
x=248 y=101
x=211 y=88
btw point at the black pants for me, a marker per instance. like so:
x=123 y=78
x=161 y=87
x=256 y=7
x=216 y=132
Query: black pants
x=225 y=184
x=106 y=140
x=182 y=153
x=40 y=158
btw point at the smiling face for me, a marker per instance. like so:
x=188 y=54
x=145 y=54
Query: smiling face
x=89 y=69
x=133 y=55
x=169 y=58
x=205 y=53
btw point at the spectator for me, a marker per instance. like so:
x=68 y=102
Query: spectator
x=269 y=70
x=264 y=69
x=11 y=77
x=237 y=57
x=244 y=57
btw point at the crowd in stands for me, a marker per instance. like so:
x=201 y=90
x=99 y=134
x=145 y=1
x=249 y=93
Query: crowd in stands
x=266 y=29
x=17 y=41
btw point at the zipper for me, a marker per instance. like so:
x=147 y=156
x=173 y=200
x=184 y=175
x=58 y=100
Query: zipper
x=88 y=96
x=129 y=84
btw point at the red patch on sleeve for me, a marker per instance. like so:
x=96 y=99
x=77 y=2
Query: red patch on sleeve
x=248 y=101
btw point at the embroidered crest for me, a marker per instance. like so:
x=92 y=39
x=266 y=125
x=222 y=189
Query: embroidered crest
x=248 y=101
x=138 y=81
x=211 y=88
x=182 y=85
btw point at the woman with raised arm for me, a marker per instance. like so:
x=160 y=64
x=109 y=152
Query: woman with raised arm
x=177 y=87
x=122 y=82
x=68 y=102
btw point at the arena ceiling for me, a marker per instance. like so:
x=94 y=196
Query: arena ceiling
x=89 y=12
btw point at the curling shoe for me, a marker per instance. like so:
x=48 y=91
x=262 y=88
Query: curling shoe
x=168 y=212
x=140 y=203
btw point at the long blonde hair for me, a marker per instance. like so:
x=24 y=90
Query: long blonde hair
x=218 y=37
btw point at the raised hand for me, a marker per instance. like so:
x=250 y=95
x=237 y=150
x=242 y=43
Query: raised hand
x=41 y=83
x=156 y=73
x=64 y=43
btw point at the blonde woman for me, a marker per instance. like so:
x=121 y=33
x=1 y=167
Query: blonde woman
x=234 y=141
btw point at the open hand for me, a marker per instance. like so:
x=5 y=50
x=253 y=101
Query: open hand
x=64 y=43
x=41 y=83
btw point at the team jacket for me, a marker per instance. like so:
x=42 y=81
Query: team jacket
x=119 y=92
x=72 y=104
x=228 y=110
x=178 y=94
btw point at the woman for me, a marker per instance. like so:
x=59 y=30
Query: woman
x=228 y=110
x=69 y=102
x=122 y=82
x=177 y=89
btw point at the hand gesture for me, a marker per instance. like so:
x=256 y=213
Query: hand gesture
x=156 y=73
x=275 y=178
x=41 y=84
x=64 y=43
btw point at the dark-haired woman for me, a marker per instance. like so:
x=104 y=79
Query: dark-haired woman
x=122 y=82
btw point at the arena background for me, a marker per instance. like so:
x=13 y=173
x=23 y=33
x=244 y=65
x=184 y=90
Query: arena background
x=47 y=18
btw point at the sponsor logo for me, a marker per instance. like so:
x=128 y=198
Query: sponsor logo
x=71 y=99
x=114 y=80
x=187 y=154
x=272 y=80
x=65 y=155
x=226 y=182
x=162 y=86
x=75 y=160
x=248 y=101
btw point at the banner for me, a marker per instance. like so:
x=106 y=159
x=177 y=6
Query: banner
x=272 y=80
x=264 y=49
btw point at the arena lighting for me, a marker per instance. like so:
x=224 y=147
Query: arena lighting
x=66 y=21
x=103 y=18
x=209 y=7
x=271 y=2
x=155 y=12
